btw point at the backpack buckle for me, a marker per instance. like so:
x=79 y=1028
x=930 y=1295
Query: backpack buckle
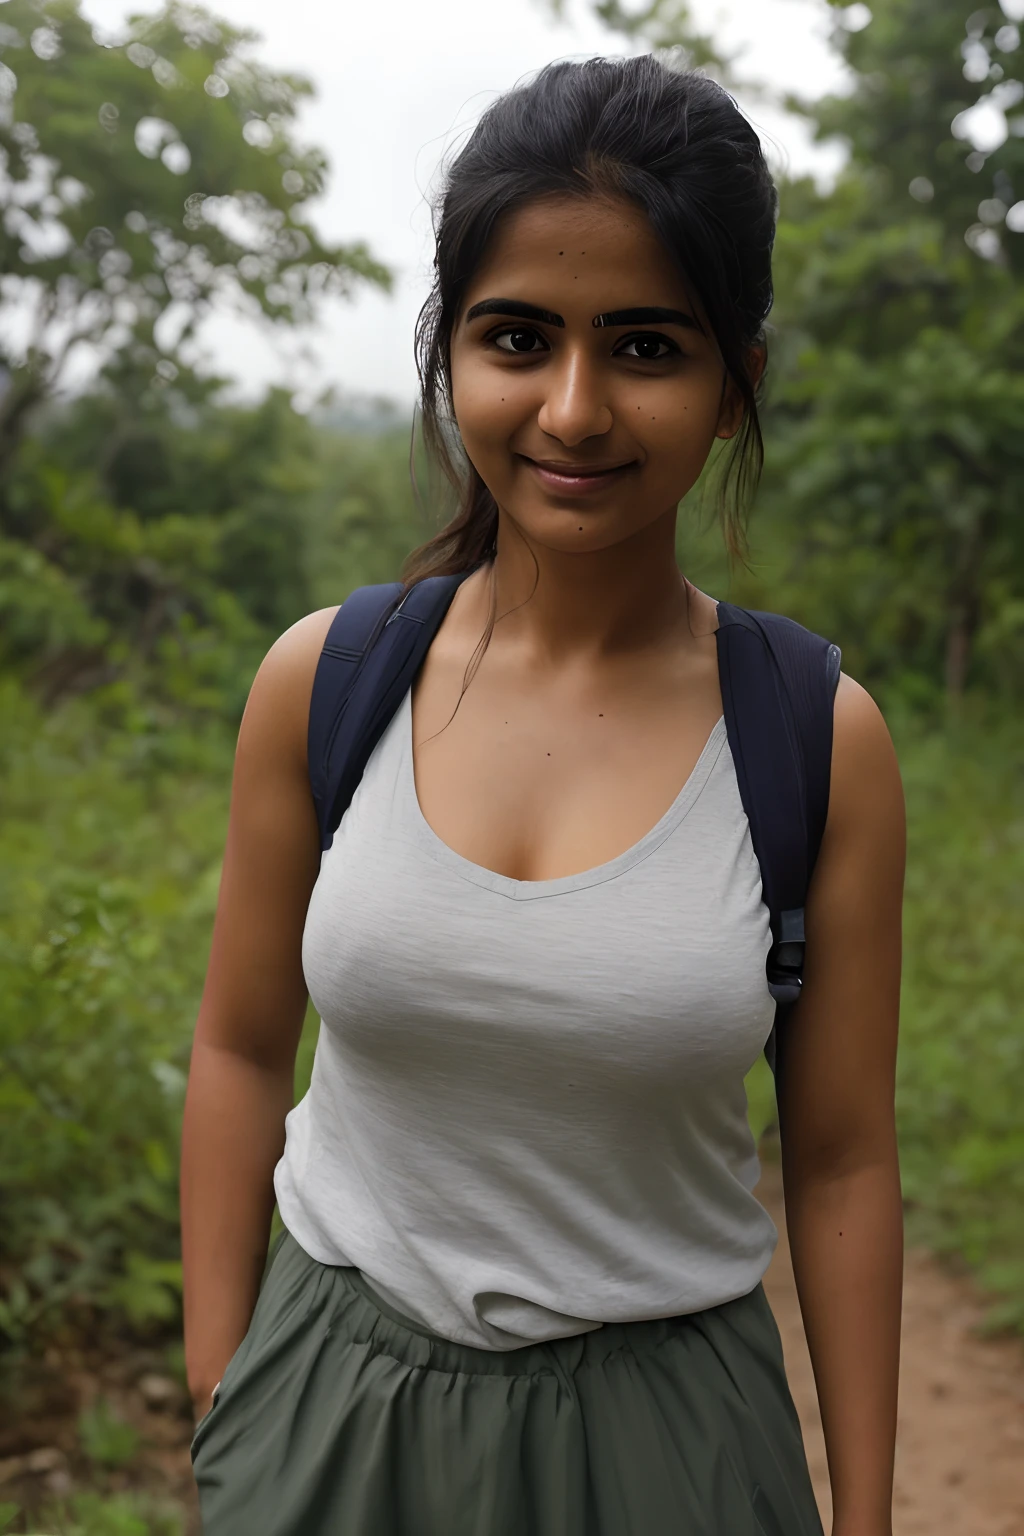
x=785 y=964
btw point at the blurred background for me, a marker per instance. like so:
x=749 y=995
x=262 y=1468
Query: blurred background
x=214 y=239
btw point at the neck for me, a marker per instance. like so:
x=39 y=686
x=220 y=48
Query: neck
x=626 y=597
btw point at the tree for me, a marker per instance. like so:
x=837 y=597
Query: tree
x=931 y=119
x=664 y=25
x=899 y=465
x=140 y=182
x=149 y=537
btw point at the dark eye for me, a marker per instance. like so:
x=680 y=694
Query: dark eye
x=520 y=340
x=650 y=349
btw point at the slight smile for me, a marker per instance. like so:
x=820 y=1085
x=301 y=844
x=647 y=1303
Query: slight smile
x=576 y=479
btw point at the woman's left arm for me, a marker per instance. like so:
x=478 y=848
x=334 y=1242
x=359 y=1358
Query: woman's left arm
x=836 y=1081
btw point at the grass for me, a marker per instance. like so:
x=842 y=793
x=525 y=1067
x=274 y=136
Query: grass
x=93 y=1514
x=961 y=1067
x=105 y=1438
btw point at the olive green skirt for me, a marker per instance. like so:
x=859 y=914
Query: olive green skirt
x=339 y=1417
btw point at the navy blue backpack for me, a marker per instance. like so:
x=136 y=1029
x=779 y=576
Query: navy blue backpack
x=778 y=687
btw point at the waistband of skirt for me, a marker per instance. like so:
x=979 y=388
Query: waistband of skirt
x=347 y=1303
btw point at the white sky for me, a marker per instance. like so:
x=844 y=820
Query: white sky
x=394 y=87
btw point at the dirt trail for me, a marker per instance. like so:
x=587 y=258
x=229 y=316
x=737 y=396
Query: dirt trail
x=960 y=1446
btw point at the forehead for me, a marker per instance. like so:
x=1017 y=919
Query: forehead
x=585 y=245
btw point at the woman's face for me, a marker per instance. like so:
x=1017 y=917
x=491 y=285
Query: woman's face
x=587 y=388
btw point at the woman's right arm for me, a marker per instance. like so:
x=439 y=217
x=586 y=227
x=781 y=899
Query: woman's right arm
x=243 y=1058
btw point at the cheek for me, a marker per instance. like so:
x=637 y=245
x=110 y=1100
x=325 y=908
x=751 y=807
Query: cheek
x=676 y=425
x=487 y=411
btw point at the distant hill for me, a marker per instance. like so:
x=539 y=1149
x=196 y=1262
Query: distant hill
x=362 y=415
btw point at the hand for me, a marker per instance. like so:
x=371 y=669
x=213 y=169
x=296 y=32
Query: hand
x=202 y=1402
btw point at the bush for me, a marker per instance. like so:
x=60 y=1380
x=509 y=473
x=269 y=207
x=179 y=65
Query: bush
x=961 y=1070
x=109 y=861
x=106 y=1439
x=90 y=1514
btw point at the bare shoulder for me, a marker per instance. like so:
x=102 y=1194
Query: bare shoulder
x=293 y=656
x=865 y=783
x=277 y=712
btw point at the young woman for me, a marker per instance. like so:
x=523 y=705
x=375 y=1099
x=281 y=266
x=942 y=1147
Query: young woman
x=519 y=1292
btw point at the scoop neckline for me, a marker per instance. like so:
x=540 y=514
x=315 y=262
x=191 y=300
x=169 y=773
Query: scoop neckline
x=535 y=890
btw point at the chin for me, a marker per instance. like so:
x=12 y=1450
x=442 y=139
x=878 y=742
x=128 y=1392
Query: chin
x=573 y=530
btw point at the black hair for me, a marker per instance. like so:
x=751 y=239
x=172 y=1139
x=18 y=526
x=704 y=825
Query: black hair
x=670 y=141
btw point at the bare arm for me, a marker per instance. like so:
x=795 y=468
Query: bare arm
x=836 y=1090
x=254 y=1001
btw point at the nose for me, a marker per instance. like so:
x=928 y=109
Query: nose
x=575 y=406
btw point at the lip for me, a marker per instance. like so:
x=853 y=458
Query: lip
x=577 y=480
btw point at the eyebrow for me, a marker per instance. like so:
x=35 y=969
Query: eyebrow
x=648 y=315
x=516 y=308
x=652 y=314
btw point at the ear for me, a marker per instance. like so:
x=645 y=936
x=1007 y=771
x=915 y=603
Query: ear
x=732 y=409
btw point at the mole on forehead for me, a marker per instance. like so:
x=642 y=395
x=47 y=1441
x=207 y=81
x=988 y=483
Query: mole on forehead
x=648 y=314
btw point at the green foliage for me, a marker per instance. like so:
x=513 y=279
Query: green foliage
x=664 y=25
x=148 y=537
x=364 y=518
x=761 y=1109
x=109 y=860
x=162 y=171
x=896 y=468
x=890 y=510
x=158 y=550
x=934 y=119
x=91 y=1514
x=961 y=1079
x=105 y=1438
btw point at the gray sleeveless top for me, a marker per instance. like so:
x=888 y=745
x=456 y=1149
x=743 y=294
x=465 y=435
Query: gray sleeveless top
x=527 y=1114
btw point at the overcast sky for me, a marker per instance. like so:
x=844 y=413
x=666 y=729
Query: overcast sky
x=396 y=83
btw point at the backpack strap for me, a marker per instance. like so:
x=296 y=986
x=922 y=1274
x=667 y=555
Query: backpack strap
x=373 y=650
x=778 y=688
